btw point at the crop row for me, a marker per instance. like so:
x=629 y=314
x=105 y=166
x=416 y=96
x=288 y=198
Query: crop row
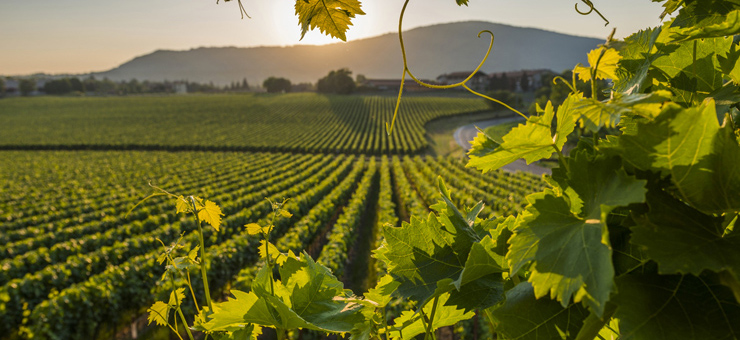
x=302 y=122
x=106 y=275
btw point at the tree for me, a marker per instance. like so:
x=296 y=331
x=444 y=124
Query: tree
x=276 y=85
x=245 y=85
x=339 y=81
x=26 y=86
x=524 y=82
x=2 y=87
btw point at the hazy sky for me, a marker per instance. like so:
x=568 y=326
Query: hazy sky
x=76 y=36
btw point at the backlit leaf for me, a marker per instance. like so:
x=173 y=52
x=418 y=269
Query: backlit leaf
x=211 y=214
x=331 y=17
x=689 y=146
x=567 y=237
x=254 y=229
x=409 y=324
x=158 y=313
x=532 y=141
x=604 y=60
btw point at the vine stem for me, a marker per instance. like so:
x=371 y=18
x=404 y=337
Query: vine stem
x=431 y=319
x=406 y=71
x=202 y=256
x=561 y=158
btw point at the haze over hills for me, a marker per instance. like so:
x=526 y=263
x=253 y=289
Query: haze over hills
x=431 y=51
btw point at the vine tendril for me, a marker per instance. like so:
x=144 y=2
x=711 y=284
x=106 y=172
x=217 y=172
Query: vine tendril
x=407 y=71
x=591 y=8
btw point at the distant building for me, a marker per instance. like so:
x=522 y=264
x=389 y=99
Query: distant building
x=395 y=84
x=514 y=78
x=180 y=88
x=479 y=81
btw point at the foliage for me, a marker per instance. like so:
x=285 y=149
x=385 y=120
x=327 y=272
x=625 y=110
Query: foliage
x=339 y=81
x=276 y=85
x=300 y=122
x=508 y=97
x=26 y=86
x=634 y=236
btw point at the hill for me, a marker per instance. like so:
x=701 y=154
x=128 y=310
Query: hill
x=431 y=51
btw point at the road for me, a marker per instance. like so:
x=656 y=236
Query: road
x=464 y=134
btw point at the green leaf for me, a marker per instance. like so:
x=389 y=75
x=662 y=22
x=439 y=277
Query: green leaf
x=317 y=295
x=691 y=69
x=682 y=240
x=532 y=141
x=662 y=307
x=183 y=205
x=730 y=63
x=706 y=19
x=331 y=17
x=729 y=26
x=523 y=316
x=381 y=294
x=689 y=146
x=638 y=54
x=603 y=60
x=176 y=297
x=421 y=253
x=567 y=236
x=158 y=313
x=595 y=114
x=427 y=256
x=409 y=324
x=211 y=214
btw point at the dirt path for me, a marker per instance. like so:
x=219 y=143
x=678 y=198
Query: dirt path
x=466 y=133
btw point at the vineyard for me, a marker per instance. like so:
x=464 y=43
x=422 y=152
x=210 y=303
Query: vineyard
x=74 y=265
x=251 y=122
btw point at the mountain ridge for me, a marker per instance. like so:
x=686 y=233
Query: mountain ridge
x=431 y=51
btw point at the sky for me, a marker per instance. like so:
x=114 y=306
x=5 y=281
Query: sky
x=81 y=36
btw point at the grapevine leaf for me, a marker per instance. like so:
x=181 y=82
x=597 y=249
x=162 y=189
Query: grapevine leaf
x=158 y=313
x=730 y=63
x=689 y=146
x=662 y=307
x=311 y=298
x=532 y=141
x=409 y=324
x=427 y=256
x=523 y=316
x=595 y=114
x=462 y=2
x=423 y=244
x=382 y=292
x=482 y=261
x=567 y=236
x=285 y=213
x=316 y=295
x=274 y=252
x=254 y=229
x=691 y=69
x=705 y=19
x=638 y=54
x=682 y=240
x=183 y=205
x=604 y=60
x=176 y=297
x=211 y=214
x=728 y=27
x=331 y=17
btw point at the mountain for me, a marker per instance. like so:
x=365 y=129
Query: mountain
x=431 y=51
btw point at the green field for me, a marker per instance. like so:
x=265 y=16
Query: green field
x=303 y=122
x=75 y=266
